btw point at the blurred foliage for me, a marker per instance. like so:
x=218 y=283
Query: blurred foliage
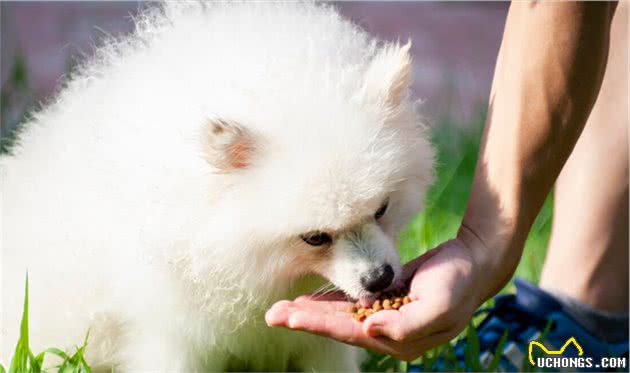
x=16 y=101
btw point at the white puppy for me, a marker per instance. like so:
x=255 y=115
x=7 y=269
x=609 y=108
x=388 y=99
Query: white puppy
x=201 y=169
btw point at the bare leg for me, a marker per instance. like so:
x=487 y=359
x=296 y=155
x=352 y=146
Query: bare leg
x=588 y=252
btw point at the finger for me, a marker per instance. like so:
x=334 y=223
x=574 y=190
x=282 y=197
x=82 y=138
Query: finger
x=411 y=322
x=341 y=327
x=326 y=320
x=338 y=325
x=323 y=306
x=333 y=296
x=279 y=313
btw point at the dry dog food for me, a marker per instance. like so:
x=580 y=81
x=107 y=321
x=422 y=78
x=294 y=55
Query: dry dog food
x=389 y=301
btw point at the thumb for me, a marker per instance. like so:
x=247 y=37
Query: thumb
x=410 y=268
x=411 y=321
x=384 y=323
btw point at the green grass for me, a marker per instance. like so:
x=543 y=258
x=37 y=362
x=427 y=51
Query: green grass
x=25 y=361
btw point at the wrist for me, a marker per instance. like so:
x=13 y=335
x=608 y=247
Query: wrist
x=495 y=255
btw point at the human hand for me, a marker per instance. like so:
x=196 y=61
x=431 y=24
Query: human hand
x=444 y=290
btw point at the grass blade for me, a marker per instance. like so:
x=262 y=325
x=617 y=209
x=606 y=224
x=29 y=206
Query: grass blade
x=35 y=362
x=451 y=357
x=494 y=364
x=526 y=366
x=19 y=363
x=471 y=351
x=58 y=352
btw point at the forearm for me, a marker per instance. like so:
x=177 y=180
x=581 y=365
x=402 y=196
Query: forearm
x=548 y=73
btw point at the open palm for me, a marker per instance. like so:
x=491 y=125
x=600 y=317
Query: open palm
x=443 y=296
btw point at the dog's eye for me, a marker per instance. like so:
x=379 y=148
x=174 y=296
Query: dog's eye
x=381 y=211
x=316 y=238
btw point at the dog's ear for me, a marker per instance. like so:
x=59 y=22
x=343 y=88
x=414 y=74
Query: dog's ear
x=388 y=76
x=228 y=145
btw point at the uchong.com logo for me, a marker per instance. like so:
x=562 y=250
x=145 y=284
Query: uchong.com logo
x=554 y=359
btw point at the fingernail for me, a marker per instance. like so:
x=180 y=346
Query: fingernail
x=269 y=318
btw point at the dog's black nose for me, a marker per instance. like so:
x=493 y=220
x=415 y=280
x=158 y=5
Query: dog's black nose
x=378 y=279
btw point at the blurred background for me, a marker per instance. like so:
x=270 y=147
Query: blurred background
x=454 y=47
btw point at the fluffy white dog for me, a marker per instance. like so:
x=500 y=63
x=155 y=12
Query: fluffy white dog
x=201 y=169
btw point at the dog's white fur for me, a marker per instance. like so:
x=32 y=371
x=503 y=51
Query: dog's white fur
x=160 y=199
